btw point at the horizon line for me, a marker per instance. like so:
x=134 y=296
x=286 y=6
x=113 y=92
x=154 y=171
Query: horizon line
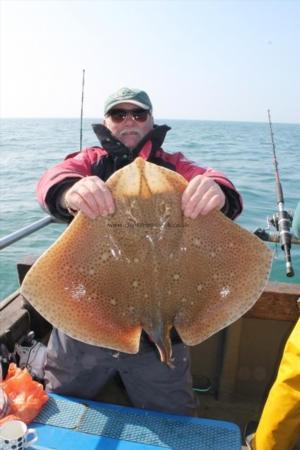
x=157 y=118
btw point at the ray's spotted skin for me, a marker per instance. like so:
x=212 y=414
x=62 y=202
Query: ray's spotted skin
x=147 y=266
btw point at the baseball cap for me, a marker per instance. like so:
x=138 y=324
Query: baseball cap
x=128 y=95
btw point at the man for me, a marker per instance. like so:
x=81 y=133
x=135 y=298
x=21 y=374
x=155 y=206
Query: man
x=78 y=184
x=279 y=425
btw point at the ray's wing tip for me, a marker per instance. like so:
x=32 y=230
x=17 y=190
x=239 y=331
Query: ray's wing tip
x=192 y=339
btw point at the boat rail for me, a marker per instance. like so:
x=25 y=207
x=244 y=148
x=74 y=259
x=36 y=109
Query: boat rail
x=274 y=237
x=47 y=220
x=25 y=231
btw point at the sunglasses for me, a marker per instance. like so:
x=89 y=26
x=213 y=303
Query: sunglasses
x=119 y=115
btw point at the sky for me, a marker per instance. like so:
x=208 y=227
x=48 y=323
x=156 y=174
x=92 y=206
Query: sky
x=206 y=60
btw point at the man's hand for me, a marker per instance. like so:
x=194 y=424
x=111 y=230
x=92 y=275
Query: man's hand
x=201 y=196
x=89 y=195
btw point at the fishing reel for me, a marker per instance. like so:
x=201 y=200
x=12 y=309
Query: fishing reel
x=282 y=222
x=273 y=222
x=274 y=219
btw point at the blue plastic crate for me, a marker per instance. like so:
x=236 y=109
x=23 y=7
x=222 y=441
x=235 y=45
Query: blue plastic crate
x=133 y=427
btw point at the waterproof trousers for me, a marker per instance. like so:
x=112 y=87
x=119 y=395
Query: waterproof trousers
x=82 y=370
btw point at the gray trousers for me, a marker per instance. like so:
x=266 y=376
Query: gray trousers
x=75 y=368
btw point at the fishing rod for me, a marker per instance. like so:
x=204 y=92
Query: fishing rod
x=282 y=219
x=81 y=113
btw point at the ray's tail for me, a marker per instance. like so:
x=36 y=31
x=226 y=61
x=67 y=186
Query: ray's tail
x=160 y=335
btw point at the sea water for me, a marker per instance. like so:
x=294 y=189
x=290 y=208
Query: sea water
x=241 y=150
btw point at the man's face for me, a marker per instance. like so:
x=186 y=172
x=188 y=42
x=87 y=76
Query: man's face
x=129 y=131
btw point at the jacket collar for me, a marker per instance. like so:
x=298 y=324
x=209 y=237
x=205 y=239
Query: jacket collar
x=114 y=147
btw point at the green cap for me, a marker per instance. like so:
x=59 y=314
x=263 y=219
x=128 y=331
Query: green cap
x=127 y=95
